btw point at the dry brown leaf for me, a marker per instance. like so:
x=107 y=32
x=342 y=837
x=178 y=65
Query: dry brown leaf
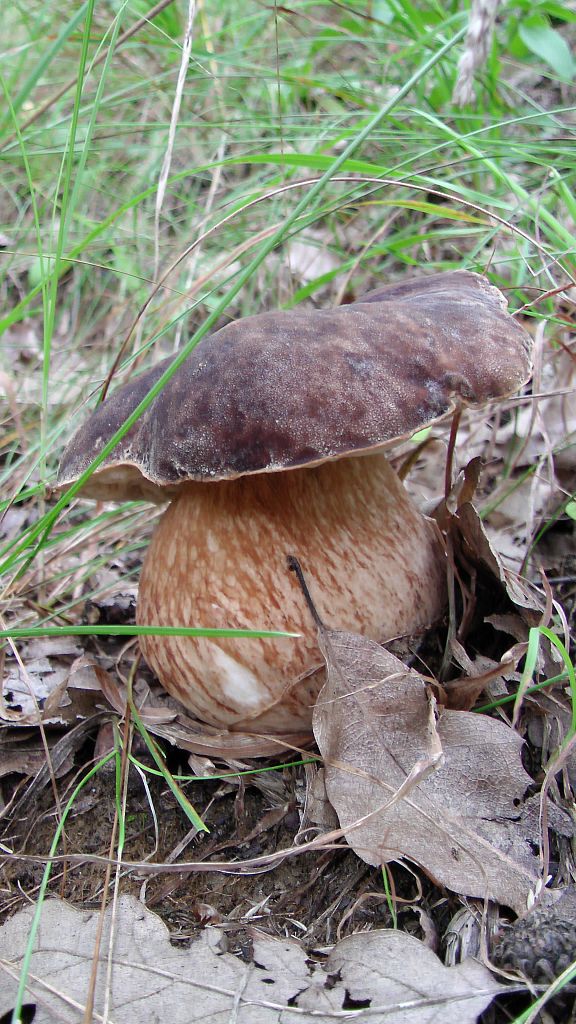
x=165 y=717
x=395 y=976
x=318 y=810
x=52 y=675
x=458 y=818
x=310 y=257
x=477 y=544
x=483 y=676
x=208 y=741
x=20 y=753
x=548 y=425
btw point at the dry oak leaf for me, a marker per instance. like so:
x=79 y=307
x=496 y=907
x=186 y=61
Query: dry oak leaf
x=394 y=976
x=446 y=795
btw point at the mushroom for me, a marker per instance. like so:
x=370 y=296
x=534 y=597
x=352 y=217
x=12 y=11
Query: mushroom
x=269 y=440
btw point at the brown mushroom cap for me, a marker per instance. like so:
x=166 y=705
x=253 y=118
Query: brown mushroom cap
x=283 y=390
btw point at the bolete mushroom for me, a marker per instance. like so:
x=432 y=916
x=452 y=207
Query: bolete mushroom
x=255 y=441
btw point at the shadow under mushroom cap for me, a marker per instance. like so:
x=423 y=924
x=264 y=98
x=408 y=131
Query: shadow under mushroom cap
x=287 y=389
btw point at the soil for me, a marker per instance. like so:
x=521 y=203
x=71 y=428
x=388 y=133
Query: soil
x=322 y=895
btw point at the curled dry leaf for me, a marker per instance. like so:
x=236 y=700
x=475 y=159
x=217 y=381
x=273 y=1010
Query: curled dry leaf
x=458 y=816
x=210 y=741
x=163 y=716
x=318 y=810
x=394 y=977
x=21 y=752
x=476 y=544
x=484 y=675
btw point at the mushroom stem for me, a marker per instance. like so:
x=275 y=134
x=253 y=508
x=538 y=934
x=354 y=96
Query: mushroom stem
x=218 y=559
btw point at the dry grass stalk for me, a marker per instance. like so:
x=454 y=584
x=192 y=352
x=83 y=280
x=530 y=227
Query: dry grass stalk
x=476 y=49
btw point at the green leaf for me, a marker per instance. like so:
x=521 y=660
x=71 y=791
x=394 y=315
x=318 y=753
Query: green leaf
x=547 y=44
x=421 y=435
x=35 y=631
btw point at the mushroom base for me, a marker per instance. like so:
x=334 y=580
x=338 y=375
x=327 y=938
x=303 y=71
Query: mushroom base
x=373 y=563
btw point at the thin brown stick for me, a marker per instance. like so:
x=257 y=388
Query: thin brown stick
x=295 y=567
x=448 y=470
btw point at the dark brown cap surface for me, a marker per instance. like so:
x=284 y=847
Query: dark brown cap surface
x=288 y=389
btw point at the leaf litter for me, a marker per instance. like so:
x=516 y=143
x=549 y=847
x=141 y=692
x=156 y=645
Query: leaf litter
x=450 y=795
x=385 y=977
x=444 y=793
x=48 y=678
x=411 y=781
